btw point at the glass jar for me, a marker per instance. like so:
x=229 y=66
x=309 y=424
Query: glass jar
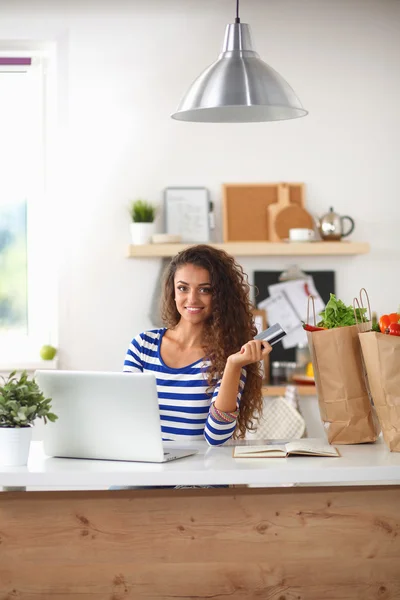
x=290 y=369
x=278 y=373
x=303 y=357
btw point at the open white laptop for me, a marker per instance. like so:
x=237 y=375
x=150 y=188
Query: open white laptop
x=104 y=415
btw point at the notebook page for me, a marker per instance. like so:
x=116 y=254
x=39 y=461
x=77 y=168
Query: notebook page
x=311 y=447
x=256 y=450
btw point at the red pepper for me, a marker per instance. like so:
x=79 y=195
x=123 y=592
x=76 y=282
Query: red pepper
x=386 y=320
x=394 y=329
x=312 y=327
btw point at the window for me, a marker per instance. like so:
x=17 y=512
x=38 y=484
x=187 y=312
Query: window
x=27 y=291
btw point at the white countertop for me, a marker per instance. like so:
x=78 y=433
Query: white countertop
x=359 y=464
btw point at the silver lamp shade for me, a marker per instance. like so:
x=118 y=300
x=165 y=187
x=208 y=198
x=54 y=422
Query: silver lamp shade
x=239 y=87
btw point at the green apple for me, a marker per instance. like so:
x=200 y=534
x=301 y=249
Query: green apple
x=48 y=352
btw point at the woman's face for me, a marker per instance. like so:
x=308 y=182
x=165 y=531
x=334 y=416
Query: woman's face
x=193 y=293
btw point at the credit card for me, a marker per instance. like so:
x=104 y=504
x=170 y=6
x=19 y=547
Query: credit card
x=272 y=335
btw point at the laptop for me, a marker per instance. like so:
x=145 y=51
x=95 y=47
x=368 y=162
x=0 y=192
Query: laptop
x=105 y=415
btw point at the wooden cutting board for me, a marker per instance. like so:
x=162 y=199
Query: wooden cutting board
x=284 y=215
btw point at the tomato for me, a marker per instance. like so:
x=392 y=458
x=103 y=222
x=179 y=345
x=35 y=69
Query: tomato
x=384 y=323
x=386 y=320
x=394 y=329
x=394 y=317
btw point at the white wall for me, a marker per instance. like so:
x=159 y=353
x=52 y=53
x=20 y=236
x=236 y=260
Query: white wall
x=123 y=67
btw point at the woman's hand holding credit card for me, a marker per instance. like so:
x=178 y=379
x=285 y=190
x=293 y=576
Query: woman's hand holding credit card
x=252 y=352
x=272 y=335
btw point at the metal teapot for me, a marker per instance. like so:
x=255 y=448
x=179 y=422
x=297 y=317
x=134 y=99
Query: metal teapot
x=331 y=228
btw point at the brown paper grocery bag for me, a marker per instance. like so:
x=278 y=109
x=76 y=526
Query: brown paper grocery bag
x=343 y=396
x=382 y=360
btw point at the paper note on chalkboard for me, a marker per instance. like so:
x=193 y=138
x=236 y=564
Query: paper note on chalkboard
x=279 y=310
x=297 y=292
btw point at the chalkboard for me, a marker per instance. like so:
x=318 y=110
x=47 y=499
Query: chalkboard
x=325 y=284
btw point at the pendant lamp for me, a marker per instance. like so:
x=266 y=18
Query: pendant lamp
x=239 y=87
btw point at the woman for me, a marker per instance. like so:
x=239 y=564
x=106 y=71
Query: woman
x=205 y=360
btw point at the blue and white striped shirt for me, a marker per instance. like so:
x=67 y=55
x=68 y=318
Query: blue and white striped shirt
x=182 y=393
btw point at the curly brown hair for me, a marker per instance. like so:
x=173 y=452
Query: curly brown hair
x=231 y=324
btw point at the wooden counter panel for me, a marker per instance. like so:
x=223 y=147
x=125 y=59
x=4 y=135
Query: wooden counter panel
x=280 y=544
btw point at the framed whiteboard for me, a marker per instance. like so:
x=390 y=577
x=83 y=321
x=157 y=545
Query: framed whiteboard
x=187 y=213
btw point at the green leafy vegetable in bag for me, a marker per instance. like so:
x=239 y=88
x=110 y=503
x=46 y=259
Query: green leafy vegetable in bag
x=337 y=314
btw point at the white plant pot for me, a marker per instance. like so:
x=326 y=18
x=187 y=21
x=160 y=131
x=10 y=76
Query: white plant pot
x=141 y=233
x=14 y=446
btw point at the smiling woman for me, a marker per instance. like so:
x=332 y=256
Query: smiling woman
x=193 y=293
x=206 y=362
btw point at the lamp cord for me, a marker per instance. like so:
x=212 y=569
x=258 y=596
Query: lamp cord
x=237 y=20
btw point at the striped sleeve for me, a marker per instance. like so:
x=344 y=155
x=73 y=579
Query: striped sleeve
x=133 y=358
x=219 y=426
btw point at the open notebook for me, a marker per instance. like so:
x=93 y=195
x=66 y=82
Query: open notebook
x=303 y=447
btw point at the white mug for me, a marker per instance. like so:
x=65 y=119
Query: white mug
x=301 y=235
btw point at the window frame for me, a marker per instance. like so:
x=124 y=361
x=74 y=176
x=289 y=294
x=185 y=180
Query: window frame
x=23 y=351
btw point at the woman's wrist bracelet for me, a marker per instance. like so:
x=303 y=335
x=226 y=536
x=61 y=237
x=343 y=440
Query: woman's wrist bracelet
x=221 y=415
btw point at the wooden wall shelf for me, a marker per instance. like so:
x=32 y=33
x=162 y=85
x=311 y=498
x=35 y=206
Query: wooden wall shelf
x=279 y=390
x=258 y=249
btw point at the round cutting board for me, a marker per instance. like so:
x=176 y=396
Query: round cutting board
x=292 y=217
x=284 y=215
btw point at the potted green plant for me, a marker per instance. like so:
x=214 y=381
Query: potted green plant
x=21 y=402
x=142 y=214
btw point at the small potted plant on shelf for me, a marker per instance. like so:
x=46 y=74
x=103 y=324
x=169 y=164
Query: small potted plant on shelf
x=21 y=402
x=142 y=227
